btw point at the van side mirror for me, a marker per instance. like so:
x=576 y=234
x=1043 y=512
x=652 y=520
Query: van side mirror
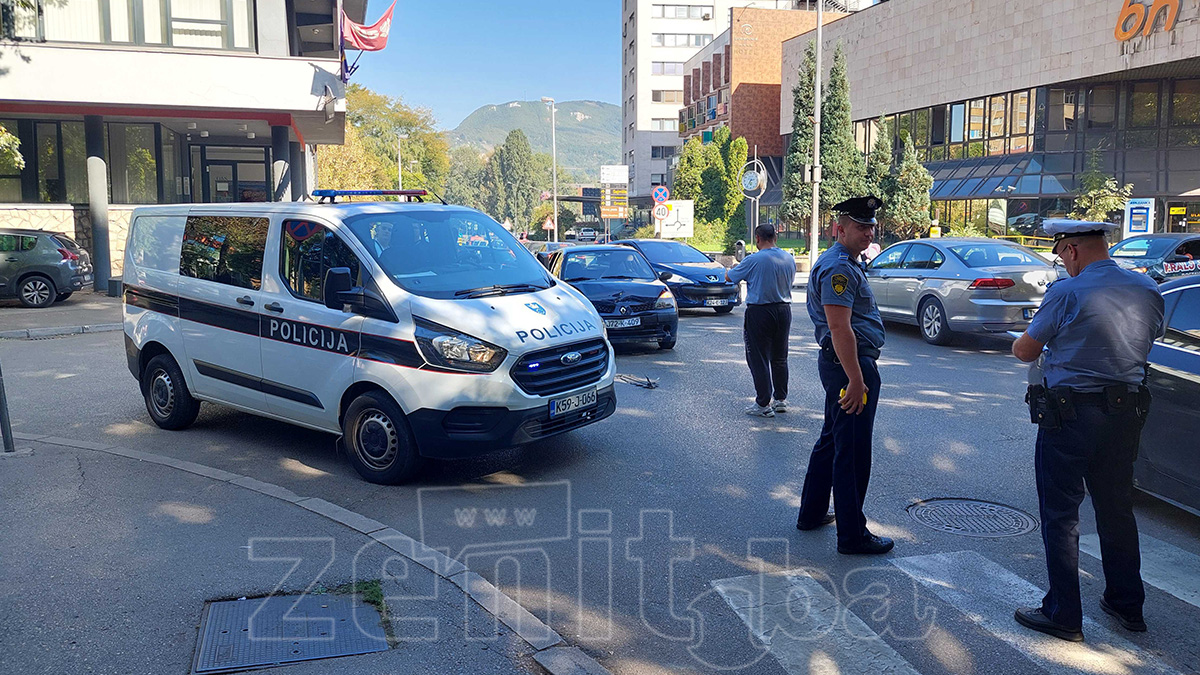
x=544 y=259
x=337 y=280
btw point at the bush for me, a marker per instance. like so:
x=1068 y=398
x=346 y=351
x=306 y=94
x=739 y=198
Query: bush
x=968 y=230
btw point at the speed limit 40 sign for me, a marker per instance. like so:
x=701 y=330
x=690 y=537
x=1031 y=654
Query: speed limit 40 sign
x=661 y=212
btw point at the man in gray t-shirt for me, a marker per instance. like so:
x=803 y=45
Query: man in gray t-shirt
x=768 y=274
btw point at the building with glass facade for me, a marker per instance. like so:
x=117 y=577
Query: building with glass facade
x=1009 y=104
x=163 y=101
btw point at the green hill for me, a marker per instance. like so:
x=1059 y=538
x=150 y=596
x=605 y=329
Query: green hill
x=589 y=132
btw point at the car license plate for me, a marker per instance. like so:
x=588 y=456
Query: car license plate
x=87 y=278
x=623 y=323
x=1030 y=312
x=716 y=302
x=569 y=404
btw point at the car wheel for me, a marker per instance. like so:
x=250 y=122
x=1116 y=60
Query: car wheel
x=724 y=310
x=933 y=324
x=63 y=296
x=36 y=291
x=168 y=400
x=378 y=440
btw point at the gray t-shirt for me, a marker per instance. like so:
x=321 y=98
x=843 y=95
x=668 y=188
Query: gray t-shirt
x=768 y=274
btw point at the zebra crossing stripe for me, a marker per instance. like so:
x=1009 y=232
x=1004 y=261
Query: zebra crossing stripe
x=806 y=629
x=1164 y=566
x=987 y=594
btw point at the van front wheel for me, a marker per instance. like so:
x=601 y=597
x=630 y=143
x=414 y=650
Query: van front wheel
x=379 y=441
x=168 y=400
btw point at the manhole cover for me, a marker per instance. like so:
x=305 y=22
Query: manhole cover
x=972 y=517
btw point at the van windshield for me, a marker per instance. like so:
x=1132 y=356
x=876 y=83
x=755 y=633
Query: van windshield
x=458 y=253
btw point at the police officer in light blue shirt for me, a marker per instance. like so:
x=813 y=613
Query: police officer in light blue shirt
x=1095 y=330
x=850 y=333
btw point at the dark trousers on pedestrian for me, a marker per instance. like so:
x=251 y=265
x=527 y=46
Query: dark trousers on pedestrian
x=841 y=459
x=1097 y=449
x=766 y=334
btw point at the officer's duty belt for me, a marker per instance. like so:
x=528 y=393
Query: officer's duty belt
x=1050 y=407
x=865 y=350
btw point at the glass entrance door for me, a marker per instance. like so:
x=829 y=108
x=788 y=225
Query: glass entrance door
x=235 y=174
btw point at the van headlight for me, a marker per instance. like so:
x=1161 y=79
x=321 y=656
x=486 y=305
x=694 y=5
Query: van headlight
x=665 y=300
x=448 y=348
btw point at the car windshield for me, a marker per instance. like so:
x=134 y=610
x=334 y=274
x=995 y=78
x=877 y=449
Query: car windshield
x=986 y=254
x=667 y=252
x=448 y=253
x=1143 y=248
x=614 y=264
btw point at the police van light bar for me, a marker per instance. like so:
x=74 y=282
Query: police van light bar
x=332 y=195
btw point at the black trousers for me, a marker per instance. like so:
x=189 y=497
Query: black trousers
x=1098 y=449
x=766 y=336
x=841 y=458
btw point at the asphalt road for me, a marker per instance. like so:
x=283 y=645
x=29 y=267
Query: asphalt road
x=640 y=522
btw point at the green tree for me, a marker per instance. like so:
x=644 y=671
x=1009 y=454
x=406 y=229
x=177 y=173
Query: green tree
x=843 y=171
x=797 y=195
x=906 y=208
x=515 y=162
x=382 y=120
x=11 y=160
x=493 y=195
x=566 y=220
x=688 y=172
x=464 y=182
x=1099 y=194
x=352 y=165
x=879 y=162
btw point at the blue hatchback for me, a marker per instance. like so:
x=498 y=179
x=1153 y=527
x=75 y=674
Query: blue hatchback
x=695 y=279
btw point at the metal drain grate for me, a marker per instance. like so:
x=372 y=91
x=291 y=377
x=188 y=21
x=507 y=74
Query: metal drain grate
x=285 y=629
x=972 y=517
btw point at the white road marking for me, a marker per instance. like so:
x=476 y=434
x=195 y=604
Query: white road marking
x=806 y=629
x=1164 y=566
x=987 y=594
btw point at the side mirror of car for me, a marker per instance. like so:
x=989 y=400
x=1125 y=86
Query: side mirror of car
x=663 y=276
x=710 y=257
x=543 y=258
x=337 y=280
x=1177 y=258
x=367 y=302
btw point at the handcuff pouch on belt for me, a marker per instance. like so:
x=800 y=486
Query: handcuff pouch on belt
x=1050 y=407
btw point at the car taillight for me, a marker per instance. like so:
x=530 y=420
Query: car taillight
x=991 y=284
x=67 y=255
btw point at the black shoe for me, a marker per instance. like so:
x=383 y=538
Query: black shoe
x=1136 y=624
x=872 y=545
x=801 y=525
x=1032 y=617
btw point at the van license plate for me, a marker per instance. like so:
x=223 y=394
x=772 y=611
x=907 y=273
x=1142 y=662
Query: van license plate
x=569 y=404
x=1029 y=313
x=716 y=302
x=623 y=323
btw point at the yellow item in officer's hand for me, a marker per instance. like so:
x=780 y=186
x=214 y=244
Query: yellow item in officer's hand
x=864 y=395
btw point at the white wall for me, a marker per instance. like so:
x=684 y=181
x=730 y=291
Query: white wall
x=272 y=24
x=908 y=54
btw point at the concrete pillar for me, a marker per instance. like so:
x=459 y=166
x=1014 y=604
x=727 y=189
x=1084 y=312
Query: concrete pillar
x=299 y=189
x=97 y=177
x=281 y=157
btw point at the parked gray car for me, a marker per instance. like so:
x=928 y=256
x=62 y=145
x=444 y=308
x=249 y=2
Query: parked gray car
x=967 y=285
x=40 y=268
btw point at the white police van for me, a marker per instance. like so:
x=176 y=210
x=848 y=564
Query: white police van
x=411 y=329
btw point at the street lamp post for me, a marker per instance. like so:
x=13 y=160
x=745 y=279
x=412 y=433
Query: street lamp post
x=553 y=161
x=400 y=161
x=813 y=240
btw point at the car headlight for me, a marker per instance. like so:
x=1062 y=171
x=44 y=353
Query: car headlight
x=677 y=279
x=665 y=300
x=448 y=348
x=1140 y=270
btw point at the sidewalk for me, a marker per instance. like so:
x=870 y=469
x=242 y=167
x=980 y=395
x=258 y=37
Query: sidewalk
x=108 y=561
x=83 y=312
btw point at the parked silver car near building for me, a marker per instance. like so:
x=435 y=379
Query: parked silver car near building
x=967 y=285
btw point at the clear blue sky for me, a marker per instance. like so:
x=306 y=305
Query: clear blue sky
x=453 y=56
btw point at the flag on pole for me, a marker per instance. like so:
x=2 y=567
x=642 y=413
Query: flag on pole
x=367 y=38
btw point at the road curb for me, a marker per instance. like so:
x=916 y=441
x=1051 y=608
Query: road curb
x=34 y=333
x=550 y=650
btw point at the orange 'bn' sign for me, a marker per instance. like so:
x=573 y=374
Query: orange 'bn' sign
x=1134 y=16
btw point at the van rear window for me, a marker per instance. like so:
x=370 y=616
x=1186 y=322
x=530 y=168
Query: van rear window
x=225 y=249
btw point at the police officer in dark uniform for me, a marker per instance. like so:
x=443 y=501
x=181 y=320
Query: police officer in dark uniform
x=1093 y=334
x=850 y=333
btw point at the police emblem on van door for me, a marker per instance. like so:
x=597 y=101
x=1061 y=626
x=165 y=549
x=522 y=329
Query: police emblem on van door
x=536 y=307
x=571 y=358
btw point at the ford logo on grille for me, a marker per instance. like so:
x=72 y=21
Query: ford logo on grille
x=571 y=358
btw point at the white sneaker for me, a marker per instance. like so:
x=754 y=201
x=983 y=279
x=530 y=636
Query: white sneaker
x=779 y=406
x=760 y=411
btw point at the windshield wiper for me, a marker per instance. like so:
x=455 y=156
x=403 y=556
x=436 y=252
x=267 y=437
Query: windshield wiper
x=573 y=279
x=499 y=289
x=621 y=276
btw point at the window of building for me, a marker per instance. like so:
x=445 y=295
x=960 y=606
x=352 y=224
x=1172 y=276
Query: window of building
x=666 y=96
x=663 y=151
x=198 y=24
x=133 y=163
x=1143 y=104
x=680 y=39
x=680 y=11
x=958 y=120
x=1102 y=107
x=61 y=163
x=664 y=124
x=657 y=179
x=997 y=120
x=1062 y=110
x=308 y=251
x=225 y=249
x=1185 y=103
x=10 y=174
x=1019 y=114
x=920 y=128
x=666 y=68
x=976 y=121
x=937 y=129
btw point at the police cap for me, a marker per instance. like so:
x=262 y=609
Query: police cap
x=1061 y=229
x=860 y=209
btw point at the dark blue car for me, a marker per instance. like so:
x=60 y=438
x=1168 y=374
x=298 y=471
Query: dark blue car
x=694 y=278
x=632 y=299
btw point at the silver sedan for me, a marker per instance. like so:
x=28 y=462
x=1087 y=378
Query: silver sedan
x=967 y=285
